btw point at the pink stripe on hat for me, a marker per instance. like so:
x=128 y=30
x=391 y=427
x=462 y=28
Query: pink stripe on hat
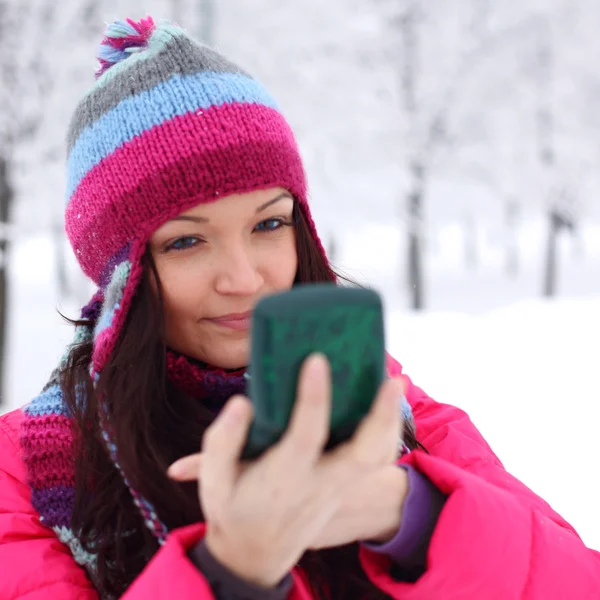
x=153 y=177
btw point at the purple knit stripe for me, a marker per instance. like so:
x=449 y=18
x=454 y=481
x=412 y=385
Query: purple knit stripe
x=91 y=311
x=114 y=261
x=219 y=387
x=55 y=504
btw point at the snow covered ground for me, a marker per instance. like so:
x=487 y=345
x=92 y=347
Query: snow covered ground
x=528 y=377
x=526 y=371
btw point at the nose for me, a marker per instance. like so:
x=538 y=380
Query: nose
x=237 y=273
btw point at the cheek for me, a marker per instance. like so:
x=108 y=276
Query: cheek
x=182 y=294
x=279 y=267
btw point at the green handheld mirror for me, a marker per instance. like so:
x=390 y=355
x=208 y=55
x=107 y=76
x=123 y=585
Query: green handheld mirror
x=344 y=324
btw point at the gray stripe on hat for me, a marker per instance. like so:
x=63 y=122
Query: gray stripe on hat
x=181 y=56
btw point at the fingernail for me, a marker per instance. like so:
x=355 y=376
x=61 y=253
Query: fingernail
x=318 y=362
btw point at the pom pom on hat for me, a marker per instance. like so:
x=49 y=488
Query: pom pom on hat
x=121 y=40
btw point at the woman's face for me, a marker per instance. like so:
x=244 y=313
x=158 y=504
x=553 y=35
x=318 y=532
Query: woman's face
x=215 y=261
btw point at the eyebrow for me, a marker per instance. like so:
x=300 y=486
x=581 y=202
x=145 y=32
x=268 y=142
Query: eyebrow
x=260 y=209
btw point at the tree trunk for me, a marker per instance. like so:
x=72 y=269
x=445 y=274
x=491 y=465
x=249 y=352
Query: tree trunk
x=62 y=280
x=578 y=252
x=414 y=209
x=415 y=239
x=6 y=197
x=332 y=249
x=545 y=126
x=512 y=240
x=550 y=275
x=207 y=22
x=177 y=11
x=559 y=221
x=470 y=242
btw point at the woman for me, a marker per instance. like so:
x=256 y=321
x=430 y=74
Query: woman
x=187 y=204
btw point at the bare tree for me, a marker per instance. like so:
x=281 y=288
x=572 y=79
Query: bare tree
x=27 y=73
x=558 y=195
x=428 y=131
x=408 y=31
x=6 y=198
x=15 y=124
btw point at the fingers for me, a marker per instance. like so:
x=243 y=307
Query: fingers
x=186 y=468
x=376 y=438
x=308 y=430
x=222 y=447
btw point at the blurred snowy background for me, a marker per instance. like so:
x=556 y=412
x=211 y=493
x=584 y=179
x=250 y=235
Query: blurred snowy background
x=453 y=154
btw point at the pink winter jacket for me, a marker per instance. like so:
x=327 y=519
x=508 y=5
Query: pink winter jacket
x=495 y=539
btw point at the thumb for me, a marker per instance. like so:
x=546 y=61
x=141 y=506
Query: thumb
x=222 y=446
x=186 y=468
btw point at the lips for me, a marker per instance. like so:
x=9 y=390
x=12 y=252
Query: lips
x=234 y=317
x=234 y=320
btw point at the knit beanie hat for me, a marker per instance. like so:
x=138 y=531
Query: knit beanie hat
x=168 y=124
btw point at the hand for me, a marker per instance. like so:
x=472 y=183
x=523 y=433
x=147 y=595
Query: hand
x=370 y=511
x=261 y=516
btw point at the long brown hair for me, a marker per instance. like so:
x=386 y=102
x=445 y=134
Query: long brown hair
x=155 y=424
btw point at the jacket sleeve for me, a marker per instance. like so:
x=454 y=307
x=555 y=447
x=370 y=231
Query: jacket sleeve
x=35 y=565
x=494 y=538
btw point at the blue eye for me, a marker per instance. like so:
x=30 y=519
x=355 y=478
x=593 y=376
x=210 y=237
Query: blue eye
x=271 y=225
x=183 y=243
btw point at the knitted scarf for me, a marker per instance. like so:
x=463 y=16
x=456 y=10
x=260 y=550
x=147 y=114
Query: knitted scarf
x=48 y=453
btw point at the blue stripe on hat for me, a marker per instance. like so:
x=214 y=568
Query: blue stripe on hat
x=175 y=97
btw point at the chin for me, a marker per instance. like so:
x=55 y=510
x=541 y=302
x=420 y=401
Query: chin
x=233 y=355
